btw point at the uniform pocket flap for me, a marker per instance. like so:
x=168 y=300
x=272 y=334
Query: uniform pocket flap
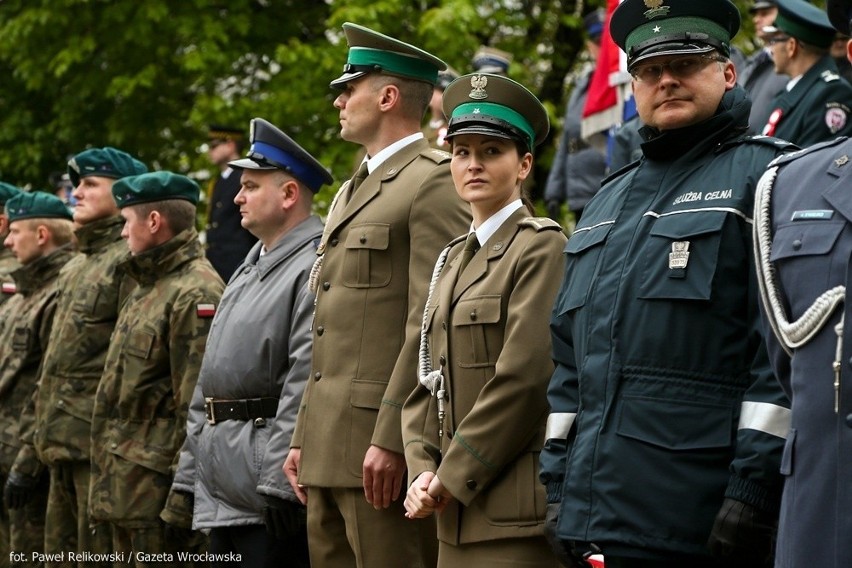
x=369 y=236
x=367 y=394
x=585 y=238
x=477 y=310
x=148 y=444
x=805 y=239
x=684 y=225
x=676 y=424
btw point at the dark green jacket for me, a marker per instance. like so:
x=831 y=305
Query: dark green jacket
x=663 y=401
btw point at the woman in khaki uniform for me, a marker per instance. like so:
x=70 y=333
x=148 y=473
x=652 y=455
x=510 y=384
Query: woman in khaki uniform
x=474 y=429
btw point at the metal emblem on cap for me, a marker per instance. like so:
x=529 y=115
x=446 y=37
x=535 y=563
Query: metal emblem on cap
x=679 y=257
x=656 y=9
x=478 y=82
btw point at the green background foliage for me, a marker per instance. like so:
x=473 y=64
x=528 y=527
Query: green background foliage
x=149 y=76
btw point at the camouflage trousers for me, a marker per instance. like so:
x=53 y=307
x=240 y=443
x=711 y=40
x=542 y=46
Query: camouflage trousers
x=148 y=547
x=67 y=524
x=22 y=531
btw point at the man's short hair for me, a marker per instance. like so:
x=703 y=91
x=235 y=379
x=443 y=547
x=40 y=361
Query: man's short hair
x=178 y=213
x=61 y=230
x=415 y=95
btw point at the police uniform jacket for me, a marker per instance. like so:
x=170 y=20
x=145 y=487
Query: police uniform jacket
x=578 y=168
x=227 y=241
x=485 y=330
x=811 y=244
x=762 y=84
x=24 y=333
x=816 y=109
x=139 y=418
x=379 y=251
x=663 y=400
x=259 y=346
x=90 y=294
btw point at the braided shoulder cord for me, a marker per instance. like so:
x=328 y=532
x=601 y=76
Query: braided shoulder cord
x=791 y=334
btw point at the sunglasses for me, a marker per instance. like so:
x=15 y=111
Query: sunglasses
x=679 y=68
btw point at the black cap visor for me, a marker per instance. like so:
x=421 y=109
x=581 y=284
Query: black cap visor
x=670 y=48
x=485 y=125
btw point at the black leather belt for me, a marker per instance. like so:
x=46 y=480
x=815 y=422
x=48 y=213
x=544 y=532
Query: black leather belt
x=242 y=409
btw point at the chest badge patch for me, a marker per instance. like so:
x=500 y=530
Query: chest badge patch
x=679 y=257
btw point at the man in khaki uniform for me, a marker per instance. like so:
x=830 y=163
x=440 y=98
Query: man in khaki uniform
x=8 y=262
x=40 y=236
x=381 y=240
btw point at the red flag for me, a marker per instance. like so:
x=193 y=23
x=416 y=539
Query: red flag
x=604 y=102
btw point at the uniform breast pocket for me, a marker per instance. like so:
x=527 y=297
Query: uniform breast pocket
x=140 y=343
x=802 y=250
x=367 y=262
x=94 y=304
x=681 y=256
x=582 y=252
x=477 y=333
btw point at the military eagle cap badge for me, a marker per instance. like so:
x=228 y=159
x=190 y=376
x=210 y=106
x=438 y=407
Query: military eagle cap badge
x=478 y=92
x=656 y=9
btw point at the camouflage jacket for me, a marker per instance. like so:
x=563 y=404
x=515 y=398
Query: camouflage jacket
x=139 y=417
x=90 y=294
x=8 y=264
x=24 y=334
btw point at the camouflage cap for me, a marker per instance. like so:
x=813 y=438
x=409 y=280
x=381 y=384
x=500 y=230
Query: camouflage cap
x=103 y=162
x=8 y=191
x=494 y=105
x=36 y=205
x=154 y=186
x=648 y=28
x=373 y=52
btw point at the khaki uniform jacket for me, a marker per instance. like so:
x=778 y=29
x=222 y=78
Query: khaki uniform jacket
x=379 y=251
x=141 y=404
x=488 y=329
x=90 y=294
x=24 y=334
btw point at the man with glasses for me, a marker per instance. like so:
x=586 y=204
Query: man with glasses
x=817 y=103
x=758 y=76
x=664 y=441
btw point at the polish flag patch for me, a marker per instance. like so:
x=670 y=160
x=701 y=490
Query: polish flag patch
x=205 y=310
x=9 y=288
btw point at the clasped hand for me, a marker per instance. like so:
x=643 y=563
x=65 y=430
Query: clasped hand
x=426 y=495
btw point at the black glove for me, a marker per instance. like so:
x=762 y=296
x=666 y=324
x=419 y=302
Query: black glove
x=554 y=210
x=284 y=519
x=19 y=490
x=174 y=533
x=744 y=531
x=565 y=550
x=177 y=516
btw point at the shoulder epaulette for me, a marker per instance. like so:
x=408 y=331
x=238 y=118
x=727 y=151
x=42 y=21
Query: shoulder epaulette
x=829 y=76
x=787 y=158
x=540 y=223
x=777 y=143
x=436 y=155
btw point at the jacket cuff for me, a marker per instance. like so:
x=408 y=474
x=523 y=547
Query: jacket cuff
x=554 y=491
x=753 y=494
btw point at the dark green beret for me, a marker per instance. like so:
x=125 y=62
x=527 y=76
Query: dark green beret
x=271 y=149
x=648 y=28
x=154 y=186
x=805 y=22
x=103 y=162
x=840 y=14
x=494 y=105
x=7 y=192
x=372 y=52
x=36 y=205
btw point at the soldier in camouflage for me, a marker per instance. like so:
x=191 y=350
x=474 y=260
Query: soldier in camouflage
x=139 y=418
x=8 y=262
x=91 y=292
x=41 y=237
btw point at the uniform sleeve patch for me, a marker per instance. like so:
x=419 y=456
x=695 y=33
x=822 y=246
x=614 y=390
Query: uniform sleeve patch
x=835 y=117
x=205 y=310
x=9 y=288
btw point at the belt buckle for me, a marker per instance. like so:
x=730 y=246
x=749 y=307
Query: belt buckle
x=208 y=410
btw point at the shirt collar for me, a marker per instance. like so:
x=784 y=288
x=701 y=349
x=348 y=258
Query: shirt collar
x=490 y=226
x=380 y=157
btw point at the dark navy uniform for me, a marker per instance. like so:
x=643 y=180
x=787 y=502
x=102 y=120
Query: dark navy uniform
x=763 y=84
x=808 y=226
x=228 y=242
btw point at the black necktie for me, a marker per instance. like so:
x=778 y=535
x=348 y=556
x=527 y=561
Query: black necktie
x=471 y=245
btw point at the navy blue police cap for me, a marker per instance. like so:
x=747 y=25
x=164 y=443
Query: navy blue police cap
x=840 y=15
x=648 y=28
x=271 y=149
